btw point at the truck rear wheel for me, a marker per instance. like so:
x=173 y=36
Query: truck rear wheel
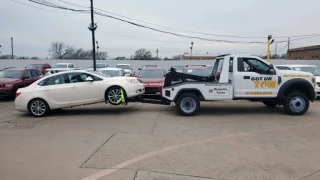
x=296 y=103
x=187 y=104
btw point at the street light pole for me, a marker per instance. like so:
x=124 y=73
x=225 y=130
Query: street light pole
x=92 y=28
x=11 y=47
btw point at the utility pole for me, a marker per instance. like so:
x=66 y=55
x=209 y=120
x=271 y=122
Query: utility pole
x=92 y=28
x=157 y=53
x=11 y=47
x=288 y=54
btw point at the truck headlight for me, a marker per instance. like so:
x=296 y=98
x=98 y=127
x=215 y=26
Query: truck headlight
x=8 y=85
x=133 y=81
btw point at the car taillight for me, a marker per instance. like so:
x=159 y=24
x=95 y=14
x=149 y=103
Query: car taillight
x=18 y=94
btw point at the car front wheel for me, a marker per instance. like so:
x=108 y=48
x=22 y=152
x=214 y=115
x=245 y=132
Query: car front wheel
x=38 y=108
x=115 y=95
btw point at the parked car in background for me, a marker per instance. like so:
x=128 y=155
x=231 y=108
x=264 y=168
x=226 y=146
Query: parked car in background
x=98 y=66
x=14 y=78
x=306 y=68
x=128 y=69
x=112 y=72
x=40 y=66
x=148 y=66
x=60 y=67
x=199 y=70
x=153 y=80
x=75 y=88
x=178 y=68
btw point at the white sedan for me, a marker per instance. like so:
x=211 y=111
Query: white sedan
x=75 y=88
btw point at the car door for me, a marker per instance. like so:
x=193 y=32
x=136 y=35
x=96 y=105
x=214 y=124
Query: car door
x=56 y=91
x=27 y=78
x=82 y=91
x=256 y=79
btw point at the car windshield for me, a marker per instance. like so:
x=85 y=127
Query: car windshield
x=148 y=66
x=60 y=66
x=199 y=72
x=14 y=74
x=154 y=73
x=111 y=73
x=98 y=66
x=314 y=70
x=123 y=66
x=35 y=66
x=179 y=67
x=100 y=74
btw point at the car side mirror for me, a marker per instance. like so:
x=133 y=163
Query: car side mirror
x=26 y=77
x=138 y=69
x=89 y=79
x=131 y=68
x=135 y=75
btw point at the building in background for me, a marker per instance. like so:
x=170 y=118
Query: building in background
x=304 y=53
x=199 y=57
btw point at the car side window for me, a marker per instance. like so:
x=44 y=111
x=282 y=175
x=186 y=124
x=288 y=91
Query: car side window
x=81 y=77
x=27 y=75
x=34 y=73
x=54 y=80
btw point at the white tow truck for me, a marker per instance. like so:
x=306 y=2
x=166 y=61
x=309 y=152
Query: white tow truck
x=236 y=77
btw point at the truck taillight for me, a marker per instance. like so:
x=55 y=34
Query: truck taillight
x=18 y=94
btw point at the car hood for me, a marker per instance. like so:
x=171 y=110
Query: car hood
x=317 y=78
x=8 y=80
x=127 y=70
x=152 y=80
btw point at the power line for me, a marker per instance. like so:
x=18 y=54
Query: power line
x=176 y=29
x=40 y=7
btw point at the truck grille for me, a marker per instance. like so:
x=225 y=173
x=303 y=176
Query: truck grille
x=152 y=90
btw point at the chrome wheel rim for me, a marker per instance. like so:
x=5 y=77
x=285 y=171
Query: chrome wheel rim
x=114 y=96
x=297 y=104
x=38 y=108
x=188 y=105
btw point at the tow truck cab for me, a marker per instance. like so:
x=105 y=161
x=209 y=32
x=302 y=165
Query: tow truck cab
x=242 y=77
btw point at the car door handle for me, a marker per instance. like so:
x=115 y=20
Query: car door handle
x=246 y=77
x=46 y=90
x=73 y=87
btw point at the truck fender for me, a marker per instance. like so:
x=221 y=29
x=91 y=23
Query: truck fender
x=307 y=86
x=188 y=90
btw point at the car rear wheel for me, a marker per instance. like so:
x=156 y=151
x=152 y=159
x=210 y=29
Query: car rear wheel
x=115 y=95
x=187 y=104
x=38 y=108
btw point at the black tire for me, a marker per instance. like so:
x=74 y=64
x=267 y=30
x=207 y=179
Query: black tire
x=43 y=109
x=182 y=106
x=270 y=103
x=296 y=103
x=110 y=92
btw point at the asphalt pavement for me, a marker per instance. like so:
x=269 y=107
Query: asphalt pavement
x=227 y=140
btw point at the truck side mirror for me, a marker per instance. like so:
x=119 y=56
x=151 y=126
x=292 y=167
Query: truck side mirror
x=271 y=66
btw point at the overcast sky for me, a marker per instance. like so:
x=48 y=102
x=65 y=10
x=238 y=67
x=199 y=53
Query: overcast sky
x=33 y=29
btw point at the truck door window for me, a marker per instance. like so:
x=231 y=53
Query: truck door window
x=252 y=65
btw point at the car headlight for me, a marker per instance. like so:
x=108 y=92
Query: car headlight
x=8 y=85
x=133 y=81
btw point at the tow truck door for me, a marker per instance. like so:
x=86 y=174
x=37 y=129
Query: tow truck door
x=252 y=80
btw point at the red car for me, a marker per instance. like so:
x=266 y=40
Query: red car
x=153 y=80
x=12 y=79
x=41 y=66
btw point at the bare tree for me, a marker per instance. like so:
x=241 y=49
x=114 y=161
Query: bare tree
x=56 y=50
x=142 y=54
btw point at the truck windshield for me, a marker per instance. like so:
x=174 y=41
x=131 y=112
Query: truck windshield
x=314 y=70
x=10 y=74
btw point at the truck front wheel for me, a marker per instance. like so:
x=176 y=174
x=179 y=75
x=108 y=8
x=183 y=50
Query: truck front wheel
x=296 y=103
x=187 y=104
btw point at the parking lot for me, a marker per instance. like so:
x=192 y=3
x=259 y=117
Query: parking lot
x=226 y=140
